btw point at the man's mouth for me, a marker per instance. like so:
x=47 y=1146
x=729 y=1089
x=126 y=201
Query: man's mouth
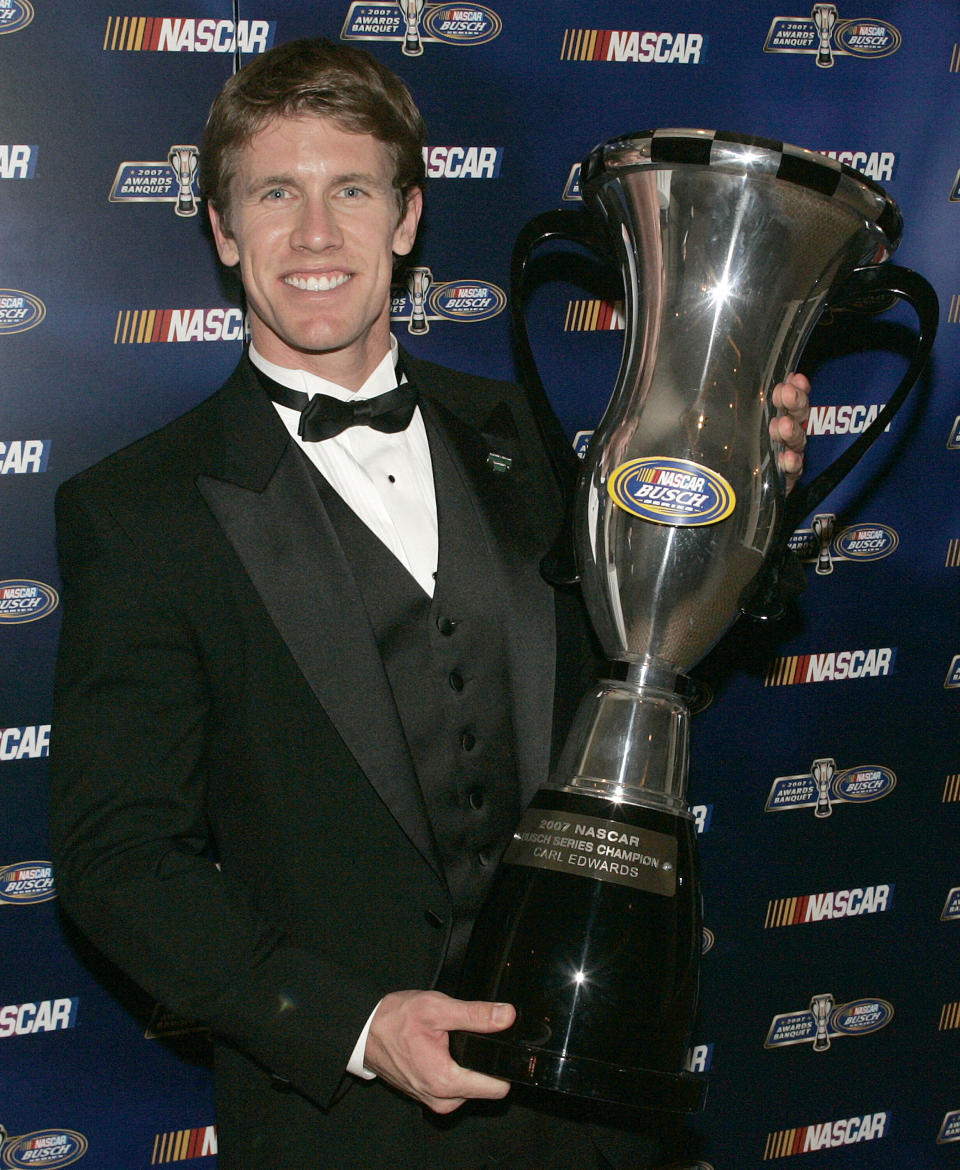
x=319 y=283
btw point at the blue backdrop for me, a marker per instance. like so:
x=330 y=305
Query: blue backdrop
x=827 y=788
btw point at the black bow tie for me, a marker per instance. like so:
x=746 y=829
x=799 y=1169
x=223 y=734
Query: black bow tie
x=322 y=417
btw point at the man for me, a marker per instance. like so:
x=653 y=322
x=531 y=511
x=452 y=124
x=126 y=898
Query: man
x=291 y=748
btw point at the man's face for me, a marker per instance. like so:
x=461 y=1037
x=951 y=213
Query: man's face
x=314 y=227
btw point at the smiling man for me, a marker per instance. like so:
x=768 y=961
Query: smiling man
x=291 y=752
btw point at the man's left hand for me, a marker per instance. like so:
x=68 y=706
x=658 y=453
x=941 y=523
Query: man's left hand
x=792 y=396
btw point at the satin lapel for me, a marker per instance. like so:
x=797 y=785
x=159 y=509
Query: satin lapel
x=270 y=511
x=504 y=497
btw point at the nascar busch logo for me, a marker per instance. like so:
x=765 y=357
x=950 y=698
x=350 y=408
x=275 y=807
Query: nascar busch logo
x=661 y=48
x=824 y=786
x=44 y=1147
x=165 y=34
x=172 y=180
x=26 y=601
x=422 y=302
x=831 y=905
x=824 y=36
x=831 y=666
x=823 y=546
x=19 y=311
x=26 y=883
x=15 y=15
x=825 y=1020
x=141 y=326
x=827 y=1135
x=412 y=24
x=182 y=1144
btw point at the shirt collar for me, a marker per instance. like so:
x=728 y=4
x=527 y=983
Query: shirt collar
x=382 y=379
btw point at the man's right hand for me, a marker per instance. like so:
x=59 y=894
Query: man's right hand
x=408 y=1046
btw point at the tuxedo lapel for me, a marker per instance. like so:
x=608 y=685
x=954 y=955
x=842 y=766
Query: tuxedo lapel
x=261 y=493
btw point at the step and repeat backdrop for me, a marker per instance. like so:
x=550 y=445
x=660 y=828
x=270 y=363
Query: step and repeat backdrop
x=825 y=775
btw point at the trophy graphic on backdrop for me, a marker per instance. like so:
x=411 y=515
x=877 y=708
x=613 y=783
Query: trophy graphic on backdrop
x=729 y=247
x=184 y=161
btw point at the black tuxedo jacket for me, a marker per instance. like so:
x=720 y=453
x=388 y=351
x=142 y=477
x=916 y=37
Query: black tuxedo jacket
x=236 y=820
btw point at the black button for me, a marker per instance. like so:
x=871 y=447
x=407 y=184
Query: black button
x=468 y=741
x=456 y=680
x=476 y=798
x=484 y=857
x=446 y=626
x=433 y=918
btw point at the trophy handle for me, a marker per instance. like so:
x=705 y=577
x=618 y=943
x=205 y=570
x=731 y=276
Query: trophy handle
x=559 y=565
x=783 y=573
x=872 y=283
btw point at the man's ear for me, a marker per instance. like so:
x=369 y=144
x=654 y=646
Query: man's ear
x=226 y=245
x=406 y=231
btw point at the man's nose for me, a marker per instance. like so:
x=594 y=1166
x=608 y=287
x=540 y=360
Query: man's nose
x=316 y=227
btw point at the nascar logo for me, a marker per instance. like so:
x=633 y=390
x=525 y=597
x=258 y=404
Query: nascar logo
x=45 y=1147
x=842 y=420
x=165 y=34
x=833 y=666
x=50 y=1015
x=27 y=882
x=17 y=162
x=19 y=311
x=832 y=905
x=826 y=1135
x=182 y=1144
x=143 y=326
x=15 y=15
x=463 y=162
x=949 y=1017
x=661 y=48
x=700 y=1056
x=877 y=164
x=25 y=743
x=671 y=491
x=24 y=456
x=26 y=601
x=593 y=316
x=951 y=788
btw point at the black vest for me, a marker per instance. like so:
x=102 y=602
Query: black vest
x=446 y=663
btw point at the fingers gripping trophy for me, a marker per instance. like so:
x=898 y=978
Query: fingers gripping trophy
x=729 y=248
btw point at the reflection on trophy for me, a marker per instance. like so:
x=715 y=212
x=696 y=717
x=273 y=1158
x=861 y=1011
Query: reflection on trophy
x=822 y=772
x=820 y=1008
x=418 y=285
x=412 y=10
x=824 y=18
x=729 y=247
x=823 y=525
x=184 y=161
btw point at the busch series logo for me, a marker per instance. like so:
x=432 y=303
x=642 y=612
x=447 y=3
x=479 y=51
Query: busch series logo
x=49 y=1015
x=24 y=456
x=19 y=311
x=823 y=787
x=832 y=905
x=413 y=24
x=167 y=34
x=823 y=546
x=182 y=1144
x=646 y=48
x=142 y=326
x=44 y=1147
x=423 y=302
x=17 y=162
x=26 y=883
x=832 y=666
x=26 y=601
x=671 y=491
x=826 y=1135
x=825 y=1020
x=15 y=15
x=824 y=36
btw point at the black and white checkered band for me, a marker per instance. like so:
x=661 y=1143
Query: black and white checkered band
x=746 y=153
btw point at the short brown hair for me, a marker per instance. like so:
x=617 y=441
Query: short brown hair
x=312 y=76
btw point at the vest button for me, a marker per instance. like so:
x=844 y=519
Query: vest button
x=468 y=741
x=476 y=798
x=456 y=680
x=446 y=626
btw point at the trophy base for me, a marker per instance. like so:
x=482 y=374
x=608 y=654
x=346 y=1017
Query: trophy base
x=577 y=1076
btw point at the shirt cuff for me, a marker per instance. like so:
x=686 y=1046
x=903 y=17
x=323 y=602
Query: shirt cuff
x=355 y=1064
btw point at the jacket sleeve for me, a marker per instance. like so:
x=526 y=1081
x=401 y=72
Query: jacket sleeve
x=130 y=840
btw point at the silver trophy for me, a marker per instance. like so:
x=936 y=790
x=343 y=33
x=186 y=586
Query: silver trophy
x=412 y=11
x=184 y=161
x=824 y=17
x=419 y=280
x=729 y=248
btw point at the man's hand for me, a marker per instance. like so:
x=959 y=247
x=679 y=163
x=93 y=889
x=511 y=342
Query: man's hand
x=408 y=1046
x=793 y=397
